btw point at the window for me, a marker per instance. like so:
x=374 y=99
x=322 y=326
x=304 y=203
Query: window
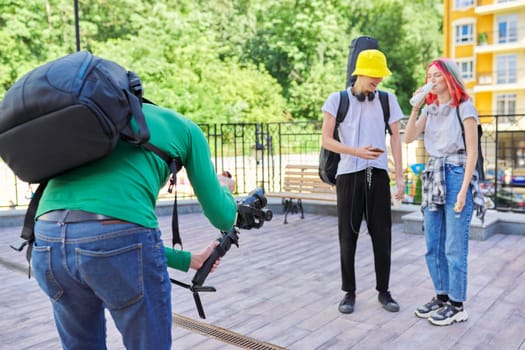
x=506 y=105
x=506 y=69
x=464 y=33
x=507 y=29
x=459 y=4
x=466 y=68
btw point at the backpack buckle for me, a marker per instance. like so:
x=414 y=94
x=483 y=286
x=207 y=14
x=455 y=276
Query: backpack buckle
x=135 y=84
x=19 y=244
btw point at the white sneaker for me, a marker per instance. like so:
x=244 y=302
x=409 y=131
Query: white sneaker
x=429 y=308
x=447 y=315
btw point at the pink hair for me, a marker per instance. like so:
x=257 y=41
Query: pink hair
x=452 y=77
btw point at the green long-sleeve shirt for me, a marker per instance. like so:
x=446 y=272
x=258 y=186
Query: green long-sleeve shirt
x=125 y=185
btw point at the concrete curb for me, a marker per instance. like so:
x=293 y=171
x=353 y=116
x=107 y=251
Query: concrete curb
x=407 y=214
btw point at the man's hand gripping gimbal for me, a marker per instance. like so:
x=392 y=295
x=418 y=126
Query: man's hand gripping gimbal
x=251 y=213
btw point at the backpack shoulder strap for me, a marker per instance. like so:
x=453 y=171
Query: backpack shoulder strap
x=479 y=162
x=383 y=97
x=461 y=124
x=134 y=96
x=342 y=109
x=27 y=236
x=344 y=104
x=480 y=129
x=175 y=164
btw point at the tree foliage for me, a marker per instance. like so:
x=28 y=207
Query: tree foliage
x=227 y=60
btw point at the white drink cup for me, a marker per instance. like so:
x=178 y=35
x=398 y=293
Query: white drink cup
x=420 y=96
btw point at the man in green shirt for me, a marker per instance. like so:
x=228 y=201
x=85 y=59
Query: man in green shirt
x=97 y=241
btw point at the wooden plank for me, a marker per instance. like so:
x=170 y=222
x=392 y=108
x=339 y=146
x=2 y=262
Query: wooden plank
x=303 y=196
x=303 y=182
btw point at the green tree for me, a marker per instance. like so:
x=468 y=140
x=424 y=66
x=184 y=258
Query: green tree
x=30 y=33
x=391 y=22
x=188 y=74
x=302 y=45
x=227 y=60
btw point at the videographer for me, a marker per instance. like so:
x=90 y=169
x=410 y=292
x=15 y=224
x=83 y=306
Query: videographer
x=98 y=244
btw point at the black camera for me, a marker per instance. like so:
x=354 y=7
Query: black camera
x=251 y=213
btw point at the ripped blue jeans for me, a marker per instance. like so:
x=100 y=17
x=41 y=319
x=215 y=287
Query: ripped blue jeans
x=87 y=267
x=447 y=236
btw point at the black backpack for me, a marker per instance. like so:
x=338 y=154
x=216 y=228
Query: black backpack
x=328 y=160
x=67 y=113
x=480 y=161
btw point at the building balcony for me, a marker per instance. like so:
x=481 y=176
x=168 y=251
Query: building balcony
x=492 y=47
x=487 y=84
x=499 y=7
x=498 y=41
x=492 y=81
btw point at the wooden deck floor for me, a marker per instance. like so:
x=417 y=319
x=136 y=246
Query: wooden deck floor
x=282 y=286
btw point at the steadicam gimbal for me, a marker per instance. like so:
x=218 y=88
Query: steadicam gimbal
x=251 y=213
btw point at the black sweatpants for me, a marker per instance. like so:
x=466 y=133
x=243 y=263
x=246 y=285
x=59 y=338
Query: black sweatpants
x=358 y=196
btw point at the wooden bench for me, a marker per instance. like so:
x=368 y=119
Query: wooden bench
x=302 y=182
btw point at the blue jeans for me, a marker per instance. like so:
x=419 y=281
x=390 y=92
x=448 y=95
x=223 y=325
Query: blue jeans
x=89 y=266
x=447 y=238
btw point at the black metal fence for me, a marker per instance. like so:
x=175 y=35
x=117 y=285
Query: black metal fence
x=256 y=155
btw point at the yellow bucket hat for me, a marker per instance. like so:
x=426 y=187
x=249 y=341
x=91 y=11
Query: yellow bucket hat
x=371 y=63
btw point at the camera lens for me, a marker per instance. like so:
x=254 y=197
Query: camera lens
x=268 y=215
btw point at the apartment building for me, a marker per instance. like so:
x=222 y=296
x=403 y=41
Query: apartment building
x=487 y=39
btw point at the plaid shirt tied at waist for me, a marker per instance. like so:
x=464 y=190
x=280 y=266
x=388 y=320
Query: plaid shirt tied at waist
x=434 y=189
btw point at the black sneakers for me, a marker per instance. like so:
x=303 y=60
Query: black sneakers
x=388 y=302
x=346 y=306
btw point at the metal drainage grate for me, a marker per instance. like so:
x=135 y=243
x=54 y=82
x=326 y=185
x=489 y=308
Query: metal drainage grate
x=223 y=334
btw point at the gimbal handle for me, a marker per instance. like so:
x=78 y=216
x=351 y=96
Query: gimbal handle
x=225 y=243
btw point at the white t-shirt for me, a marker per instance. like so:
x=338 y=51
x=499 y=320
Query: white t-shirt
x=442 y=129
x=363 y=125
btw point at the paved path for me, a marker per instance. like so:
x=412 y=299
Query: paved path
x=282 y=286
